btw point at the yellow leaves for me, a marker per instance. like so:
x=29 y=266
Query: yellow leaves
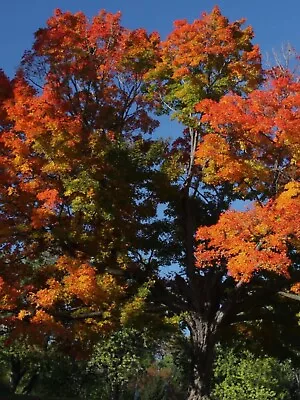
x=25 y=168
x=219 y=164
x=109 y=285
x=133 y=309
x=296 y=288
x=11 y=191
x=43 y=317
x=65 y=263
x=23 y=314
x=58 y=168
x=140 y=50
x=172 y=166
x=291 y=190
x=74 y=282
x=79 y=281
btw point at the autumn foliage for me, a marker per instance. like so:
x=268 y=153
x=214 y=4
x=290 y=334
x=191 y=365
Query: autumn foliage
x=253 y=143
x=249 y=241
x=66 y=199
x=94 y=207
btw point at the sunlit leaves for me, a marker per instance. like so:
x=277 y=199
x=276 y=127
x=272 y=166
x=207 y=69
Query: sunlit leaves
x=245 y=242
x=254 y=140
x=205 y=59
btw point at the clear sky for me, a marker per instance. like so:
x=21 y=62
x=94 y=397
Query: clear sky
x=274 y=21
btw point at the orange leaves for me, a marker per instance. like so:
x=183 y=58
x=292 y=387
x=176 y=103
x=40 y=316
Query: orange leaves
x=257 y=137
x=46 y=298
x=253 y=143
x=105 y=26
x=91 y=50
x=219 y=163
x=38 y=115
x=82 y=184
x=64 y=31
x=42 y=322
x=296 y=288
x=49 y=197
x=246 y=242
x=207 y=46
x=194 y=42
x=82 y=284
x=42 y=317
x=203 y=59
x=42 y=215
x=286 y=211
x=78 y=281
x=91 y=289
x=74 y=291
x=23 y=314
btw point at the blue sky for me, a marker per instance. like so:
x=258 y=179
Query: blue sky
x=275 y=22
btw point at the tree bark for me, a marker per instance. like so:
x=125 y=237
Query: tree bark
x=17 y=373
x=203 y=339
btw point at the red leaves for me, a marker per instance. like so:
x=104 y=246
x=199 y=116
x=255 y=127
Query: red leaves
x=5 y=93
x=8 y=295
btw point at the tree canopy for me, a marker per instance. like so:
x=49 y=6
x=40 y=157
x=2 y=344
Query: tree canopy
x=95 y=207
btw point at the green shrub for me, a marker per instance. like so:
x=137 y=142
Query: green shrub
x=243 y=376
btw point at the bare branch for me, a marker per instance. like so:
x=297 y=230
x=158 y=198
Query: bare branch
x=290 y=295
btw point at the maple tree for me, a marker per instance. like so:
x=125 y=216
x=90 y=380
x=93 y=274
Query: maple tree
x=241 y=142
x=93 y=207
x=76 y=166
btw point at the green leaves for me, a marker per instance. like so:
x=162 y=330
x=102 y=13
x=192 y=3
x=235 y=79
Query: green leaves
x=243 y=376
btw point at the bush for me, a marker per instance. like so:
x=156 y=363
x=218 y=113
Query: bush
x=244 y=376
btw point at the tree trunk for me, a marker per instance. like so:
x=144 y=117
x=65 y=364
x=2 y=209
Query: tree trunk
x=31 y=383
x=17 y=373
x=115 y=393
x=203 y=340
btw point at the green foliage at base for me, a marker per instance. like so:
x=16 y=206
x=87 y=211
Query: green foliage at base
x=129 y=364
x=243 y=376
